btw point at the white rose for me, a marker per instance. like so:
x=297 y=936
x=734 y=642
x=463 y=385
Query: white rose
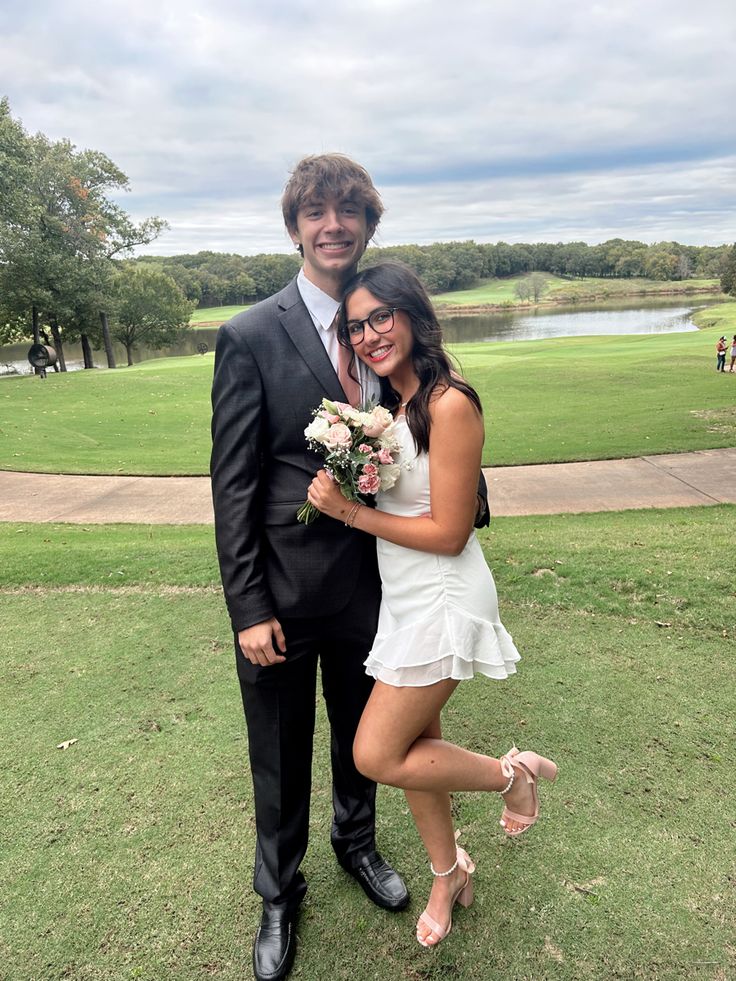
x=389 y=474
x=388 y=441
x=352 y=415
x=317 y=429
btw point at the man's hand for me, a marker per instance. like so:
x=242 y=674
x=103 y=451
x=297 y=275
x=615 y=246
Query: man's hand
x=256 y=642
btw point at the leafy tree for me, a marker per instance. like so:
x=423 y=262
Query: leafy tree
x=14 y=164
x=710 y=262
x=271 y=273
x=630 y=263
x=570 y=259
x=522 y=258
x=59 y=231
x=728 y=277
x=538 y=285
x=660 y=264
x=489 y=261
x=148 y=308
x=12 y=328
x=531 y=287
x=439 y=272
x=683 y=266
x=503 y=256
x=185 y=278
x=543 y=255
x=415 y=256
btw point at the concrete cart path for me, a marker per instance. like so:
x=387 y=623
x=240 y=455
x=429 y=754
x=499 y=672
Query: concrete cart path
x=670 y=480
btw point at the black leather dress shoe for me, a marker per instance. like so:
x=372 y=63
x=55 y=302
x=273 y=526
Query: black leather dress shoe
x=275 y=944
x=381 y=884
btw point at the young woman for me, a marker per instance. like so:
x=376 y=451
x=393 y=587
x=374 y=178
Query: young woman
x=439 y=619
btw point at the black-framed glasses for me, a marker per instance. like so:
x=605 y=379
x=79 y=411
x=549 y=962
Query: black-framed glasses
x=381 y=320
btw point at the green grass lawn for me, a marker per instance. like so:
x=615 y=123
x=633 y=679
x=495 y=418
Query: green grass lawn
x=129 y=854
x=490 y=292
x=494 y=292
x=553 y=400
x=215 y=315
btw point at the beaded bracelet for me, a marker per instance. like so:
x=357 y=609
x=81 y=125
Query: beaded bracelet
x=442 y=875
x=351 y=516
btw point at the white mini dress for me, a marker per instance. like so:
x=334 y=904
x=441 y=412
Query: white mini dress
x=439 y=613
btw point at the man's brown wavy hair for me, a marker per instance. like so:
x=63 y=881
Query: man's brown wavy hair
x=331 y=175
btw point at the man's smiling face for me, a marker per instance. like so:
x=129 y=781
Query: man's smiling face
x=333 y=234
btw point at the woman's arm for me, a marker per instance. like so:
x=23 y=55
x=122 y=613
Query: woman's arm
x=455 y=444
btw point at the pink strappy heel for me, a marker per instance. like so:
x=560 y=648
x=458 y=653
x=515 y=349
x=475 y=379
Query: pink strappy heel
x=464 y=896
x=532 y=766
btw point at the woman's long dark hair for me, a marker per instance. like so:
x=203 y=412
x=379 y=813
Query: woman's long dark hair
x=397 y=285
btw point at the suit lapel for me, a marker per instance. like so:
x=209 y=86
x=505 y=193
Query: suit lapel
x=298 y=324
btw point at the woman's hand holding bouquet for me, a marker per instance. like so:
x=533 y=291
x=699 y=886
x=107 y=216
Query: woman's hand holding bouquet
x=358 y=447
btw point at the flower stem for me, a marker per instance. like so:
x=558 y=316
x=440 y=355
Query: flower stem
x=307 y=513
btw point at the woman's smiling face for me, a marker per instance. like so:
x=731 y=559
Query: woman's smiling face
x=384 y=353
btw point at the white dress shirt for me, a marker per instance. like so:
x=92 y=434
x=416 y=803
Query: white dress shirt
x=323 y=310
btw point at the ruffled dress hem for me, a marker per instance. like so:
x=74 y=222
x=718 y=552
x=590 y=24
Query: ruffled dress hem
x=447 y=643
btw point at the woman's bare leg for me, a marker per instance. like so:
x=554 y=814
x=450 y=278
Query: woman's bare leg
x=432 y=813
x=399 y=742
x=390 y=748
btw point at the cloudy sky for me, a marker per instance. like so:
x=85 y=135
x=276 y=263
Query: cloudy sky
x=484 y=119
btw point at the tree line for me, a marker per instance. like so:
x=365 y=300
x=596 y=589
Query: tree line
x=212 y=279
x=66 y=271
x=62 y=243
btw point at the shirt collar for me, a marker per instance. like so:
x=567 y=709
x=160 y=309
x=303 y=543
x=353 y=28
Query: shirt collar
x=321 y=306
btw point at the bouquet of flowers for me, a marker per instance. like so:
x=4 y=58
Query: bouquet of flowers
x=358 y=447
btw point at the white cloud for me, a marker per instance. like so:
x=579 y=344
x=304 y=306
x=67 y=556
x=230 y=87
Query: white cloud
x=542 y=121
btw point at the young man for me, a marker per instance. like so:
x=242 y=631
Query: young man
x=297 y=593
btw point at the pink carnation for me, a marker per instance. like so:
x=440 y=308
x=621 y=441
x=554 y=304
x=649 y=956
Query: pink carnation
x=385 y=457
x=369 y=483
x=370 y=470
x=365 y=448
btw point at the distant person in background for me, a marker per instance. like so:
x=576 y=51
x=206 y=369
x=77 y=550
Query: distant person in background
x=721 y=354
x=733 y=352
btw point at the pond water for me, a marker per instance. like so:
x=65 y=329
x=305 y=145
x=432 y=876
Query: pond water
x=638 y=316
x=653 y=317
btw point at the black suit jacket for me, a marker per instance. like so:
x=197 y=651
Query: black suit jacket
x=271 y=370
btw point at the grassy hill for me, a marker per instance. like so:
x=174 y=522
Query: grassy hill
x=554 y=400
x=501 y=292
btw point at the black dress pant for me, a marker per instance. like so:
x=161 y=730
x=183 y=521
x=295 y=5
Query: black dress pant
x=279 y=703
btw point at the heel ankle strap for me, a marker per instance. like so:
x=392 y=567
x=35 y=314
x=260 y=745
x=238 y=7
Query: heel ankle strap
x=441 y=875
x=508 y=771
